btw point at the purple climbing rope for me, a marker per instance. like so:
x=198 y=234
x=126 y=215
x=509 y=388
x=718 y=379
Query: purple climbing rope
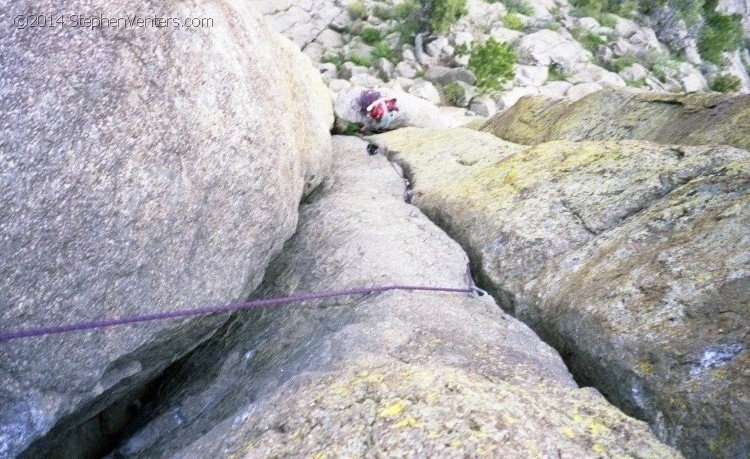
x=105 y=323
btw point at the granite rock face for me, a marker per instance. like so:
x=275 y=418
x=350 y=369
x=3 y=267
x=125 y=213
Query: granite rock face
x=621 y=114
x=140 y=171
x=631 y=258
x=391 y=374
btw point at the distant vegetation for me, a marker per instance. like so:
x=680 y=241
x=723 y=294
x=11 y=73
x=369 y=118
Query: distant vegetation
x=726 y=83
x=370 y=35
x=452 y=93
x=492 y=63
x=513 y=21
x=718 y=33
x=516 y=6
x=356 y=10
x=444 y=13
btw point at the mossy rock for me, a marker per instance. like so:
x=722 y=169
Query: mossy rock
x=630 y=257
x=623 y=114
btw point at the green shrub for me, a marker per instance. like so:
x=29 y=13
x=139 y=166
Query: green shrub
x=351 y=129
x=406 y=9
x=517 y=6
x=621 y=63
x=356 y=10
x=407 y=30
x=599 y=9
x=445 y=13
x=590 y=7
x=382 y=12
x=408 y=15
x=462 y=50
x=382 y=49
x=720 y=33
x=627 y=9
x=364 y=61
x=663 y=66
x=608 y=20
x=637 y=83
x=370 y=35
x=661 y=72
x=591 y=42
x=492 y=63
x=726 y=83
x=513 y=22
x=452 y=93
x=556 y=72
x=334 y=59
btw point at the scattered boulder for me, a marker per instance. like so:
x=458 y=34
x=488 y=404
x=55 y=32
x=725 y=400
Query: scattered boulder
x=349 y=69
x=330 y=39
x=381 y=374
x=579 y=91
x=508 y=98
x=137 y=191
x=531 y=75
x=425 y=90
x=406 y=69
x=591 y=73
x=555 y=88
x=505 y=35
x=384 y=69
x=444 y=75
x=458 y=94
x=691 y=79
x=635 y=72
x=685 y=119
x=365 y=79
x=546 y=47
x=630 y=257
x=483 y=106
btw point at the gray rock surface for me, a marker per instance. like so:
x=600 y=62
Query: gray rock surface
x=445 y=75
x=546 y=47
x=383 y=374
x=632 y=258
x=579 y=91
x=425 y=90
x=303 y=21
x=139 y=175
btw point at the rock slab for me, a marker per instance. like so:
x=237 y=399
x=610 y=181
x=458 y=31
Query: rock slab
x=622 y=114
x=631 y=258
x=392 y=374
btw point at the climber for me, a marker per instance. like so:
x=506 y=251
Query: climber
x=377 y=110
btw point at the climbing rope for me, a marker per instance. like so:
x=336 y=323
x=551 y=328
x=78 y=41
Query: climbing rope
x=105 y=323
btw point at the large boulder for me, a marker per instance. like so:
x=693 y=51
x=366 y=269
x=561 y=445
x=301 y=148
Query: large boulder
x=382 y=375
x=631 y=258
x=547 y=47
x=141 y=170
x=612 y=114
